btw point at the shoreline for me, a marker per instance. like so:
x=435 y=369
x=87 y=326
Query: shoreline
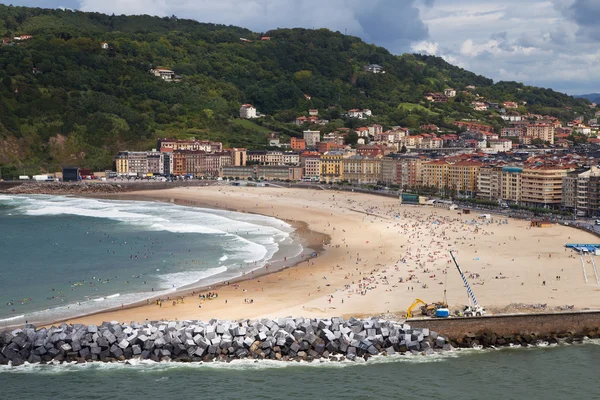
x=394 y=241
x=312 y=244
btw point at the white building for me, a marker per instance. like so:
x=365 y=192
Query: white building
x=164 y=74
x=104 y=46
x=450 y=92
x=247 y=111
x=312 y=138
x=500 y=145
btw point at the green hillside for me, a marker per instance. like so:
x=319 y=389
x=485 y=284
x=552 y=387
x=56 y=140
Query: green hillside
x=65 y=100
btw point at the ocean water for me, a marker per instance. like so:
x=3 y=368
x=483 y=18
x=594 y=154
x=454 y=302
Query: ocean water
x=66 y=256
x=550 y=373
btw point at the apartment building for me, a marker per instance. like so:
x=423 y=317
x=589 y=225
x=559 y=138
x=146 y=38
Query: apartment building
x=435 y=174
x=362 y=170
x=542 y=187
x=170 y=145
x=489 y=183
x=581 y=192
x=311 y=162
x=332 y=169
x=540 y=131
x=311 y=138
x=463 y=176
x=132 y=163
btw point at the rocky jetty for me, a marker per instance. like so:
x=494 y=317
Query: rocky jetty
x=285 y=339
x=60 y=188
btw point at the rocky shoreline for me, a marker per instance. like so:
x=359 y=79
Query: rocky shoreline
x=285 y=339
x=62 y=188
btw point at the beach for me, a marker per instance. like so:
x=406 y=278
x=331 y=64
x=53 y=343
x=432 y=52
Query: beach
x=374 y=244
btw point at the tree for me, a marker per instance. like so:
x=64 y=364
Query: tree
x=351 y=138
x=403 y=150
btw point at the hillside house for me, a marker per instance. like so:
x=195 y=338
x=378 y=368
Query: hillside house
x=104 y=46
x=163 y=73
x=247 y=111
x=450 y=92
x=374 y=69
x=313 y=112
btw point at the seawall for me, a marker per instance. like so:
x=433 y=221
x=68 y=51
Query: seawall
x=515 y=328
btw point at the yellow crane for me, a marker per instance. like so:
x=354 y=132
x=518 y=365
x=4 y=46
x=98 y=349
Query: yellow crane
x=409 y=313
x=426 y=309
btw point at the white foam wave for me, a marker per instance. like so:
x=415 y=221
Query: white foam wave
x=223 y=258
x=11 y=319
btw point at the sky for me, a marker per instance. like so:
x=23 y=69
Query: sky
x=547 y=43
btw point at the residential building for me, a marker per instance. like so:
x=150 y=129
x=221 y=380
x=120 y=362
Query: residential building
x=542 y=187
x=170 y=145
x=435 y=174
x=313 y=112
x=163 y=73
x=391 y=170
x=500 y=145
x=479 y=106
x=132 y=163
x=542 y=131
x=436 y=97
x=312 y=138
x=489 y=183
x=450 y=92
x=104 y=46
x=513 y=131
x=463 y=176
x=581 y=192
x=332 y=166
x=511 y=184
x=297 y=144
x=510 y=104
x=362 y=170
x=311 y=162
x=375 y=130
x=247 y=111
x=375 y=69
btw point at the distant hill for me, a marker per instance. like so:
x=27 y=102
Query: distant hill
x=66 y=100
x=593 y=97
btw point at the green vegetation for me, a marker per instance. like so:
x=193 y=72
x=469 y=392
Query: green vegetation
x=65 y=100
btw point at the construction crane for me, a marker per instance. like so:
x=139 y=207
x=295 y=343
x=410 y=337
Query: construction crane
x=473 y=309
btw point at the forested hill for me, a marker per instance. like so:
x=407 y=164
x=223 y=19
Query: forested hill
x=64 y=99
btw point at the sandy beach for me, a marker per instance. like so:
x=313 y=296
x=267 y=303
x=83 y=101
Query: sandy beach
x=375 y=244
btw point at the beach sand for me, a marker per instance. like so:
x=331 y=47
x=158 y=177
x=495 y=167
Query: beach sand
x=360 y=270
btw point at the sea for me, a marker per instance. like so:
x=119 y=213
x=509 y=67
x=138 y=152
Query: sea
x=549 y=373
x=62 y=257
x=66 y=256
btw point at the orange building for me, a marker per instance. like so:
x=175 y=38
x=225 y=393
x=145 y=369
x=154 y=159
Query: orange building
x=298 y=144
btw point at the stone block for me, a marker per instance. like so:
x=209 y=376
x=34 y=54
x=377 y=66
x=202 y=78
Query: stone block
x=137 y=350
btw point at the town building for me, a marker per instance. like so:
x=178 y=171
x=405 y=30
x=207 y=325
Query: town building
x=332 y=166
x=311 y=162
x=541 y=131
x=361 y=170
x=374 y=69
x=581 y=192
x=450 y=92
x=247 y=111
x=297 y=144
x=170 y=145
x=312 y=138
x=542 y=187
x=163 y=73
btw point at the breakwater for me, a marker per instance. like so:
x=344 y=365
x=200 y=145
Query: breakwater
x=286 y=339
x=516 y=329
